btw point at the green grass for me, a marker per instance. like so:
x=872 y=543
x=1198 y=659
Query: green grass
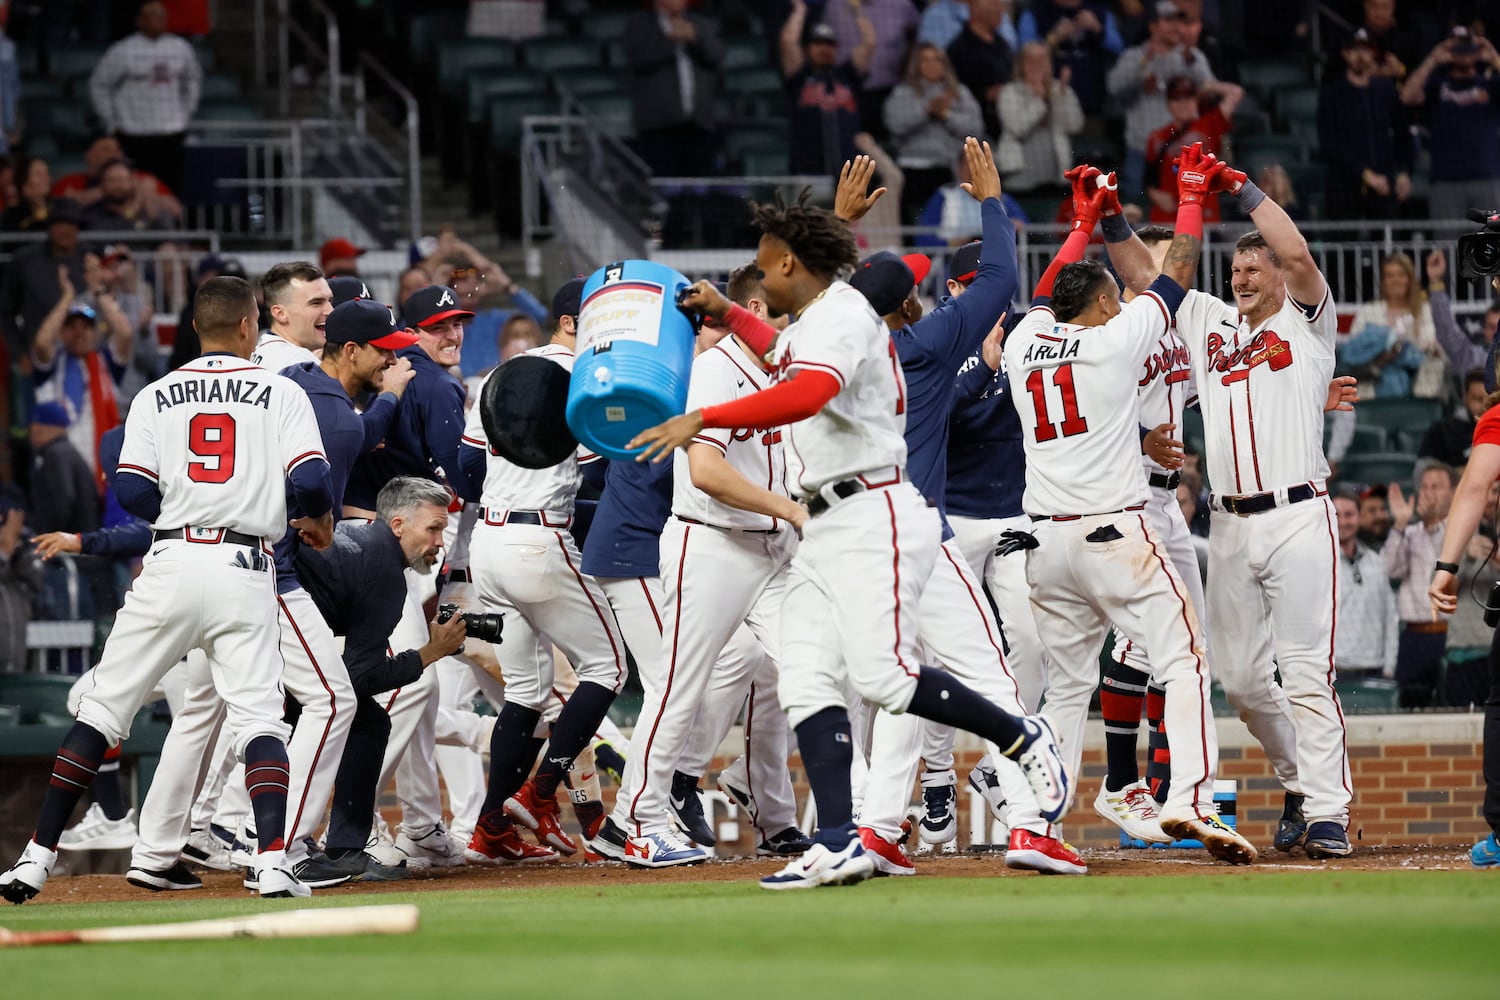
x=1317 y=934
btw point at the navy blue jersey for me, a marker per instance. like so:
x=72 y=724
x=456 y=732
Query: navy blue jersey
x=421 y=439
x=986 y=449
x=624 y=540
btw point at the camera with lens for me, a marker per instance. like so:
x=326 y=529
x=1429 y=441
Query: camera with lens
x=485 y=626
x=1492 y=607
x=1479 y=253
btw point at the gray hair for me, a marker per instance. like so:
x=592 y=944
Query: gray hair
x=404 y=494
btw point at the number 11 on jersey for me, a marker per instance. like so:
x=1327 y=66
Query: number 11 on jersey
x=1073 y=422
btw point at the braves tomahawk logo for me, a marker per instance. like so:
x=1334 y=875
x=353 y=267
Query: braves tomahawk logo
x=1234 y=366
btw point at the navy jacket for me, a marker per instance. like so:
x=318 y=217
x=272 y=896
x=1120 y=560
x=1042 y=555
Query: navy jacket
x=421 y=439
x=624 y=540
x=986 y=448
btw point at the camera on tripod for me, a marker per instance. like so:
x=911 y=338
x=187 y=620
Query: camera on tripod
x=1479 y=253
x=485 y=626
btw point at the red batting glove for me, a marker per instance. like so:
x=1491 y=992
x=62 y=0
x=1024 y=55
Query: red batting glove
x=1087 y=217
x=1082 y=178
x=1230 y=180
x=1197 y=172
x=1110 y=185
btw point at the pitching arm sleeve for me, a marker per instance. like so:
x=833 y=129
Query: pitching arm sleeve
x=757 y=334
x=1071 y=252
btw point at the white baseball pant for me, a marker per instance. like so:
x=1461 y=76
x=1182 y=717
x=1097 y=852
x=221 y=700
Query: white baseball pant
x=1272 y=581
x=413 y=710
x=1172 y=528
x=460 y=733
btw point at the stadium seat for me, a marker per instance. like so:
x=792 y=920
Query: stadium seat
x=605 y=25
x=1193 y=436
x=427 y=30
x=492 y=81
x=757 y=135
x=1408 y=438
x=614 y=55
x=66 y=61
x=1296 y=102
x=1265 y=76
x=744 y=82
x=1367 y=440
x=1394 y=414
x=220 y=85
x=1367 y=695
x=1282 y=149
x=68 y=121
x=588 y=82
x=766 y=161
x=1251 y=122
x=458 y=57
x=229 y=111
x=744 y=53
x=1378 y=467
x=615 y=111
x=40 y=699
x=553 y=54
x=505 y=114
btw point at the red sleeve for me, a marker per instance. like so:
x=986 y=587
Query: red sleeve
x=757 y=334
x=786 y=402
x=1072 y=251
x=1487 y=431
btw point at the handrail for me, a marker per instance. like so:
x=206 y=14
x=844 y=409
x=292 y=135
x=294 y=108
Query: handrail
x=413 y=126
x=285 y=29
x=209 y=236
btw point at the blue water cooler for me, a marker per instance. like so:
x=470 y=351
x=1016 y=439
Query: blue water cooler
x=634 y=355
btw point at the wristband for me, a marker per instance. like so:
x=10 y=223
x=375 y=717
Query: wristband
x=1190 y=220
x=1447 y=567
x=1250 y=197
x=1116 y=229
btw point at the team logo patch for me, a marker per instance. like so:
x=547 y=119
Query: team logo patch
x=446 y=299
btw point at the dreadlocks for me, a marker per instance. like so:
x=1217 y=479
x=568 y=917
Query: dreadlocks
x=819 y=239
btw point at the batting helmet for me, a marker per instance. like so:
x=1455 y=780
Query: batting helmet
x=523 y=409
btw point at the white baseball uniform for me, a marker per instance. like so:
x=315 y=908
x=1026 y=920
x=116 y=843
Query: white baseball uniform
x=1098 y=557
x=721 y=567
x=275 y=353
x=1273 y=573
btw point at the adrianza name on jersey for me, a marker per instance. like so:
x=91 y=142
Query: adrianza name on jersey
x=222 y=390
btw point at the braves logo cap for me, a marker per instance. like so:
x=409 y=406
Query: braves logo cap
x=886 y=279
x=567 y=299
x=348 y=289
x=964 y=263
x=432 y=304
x=365 y=321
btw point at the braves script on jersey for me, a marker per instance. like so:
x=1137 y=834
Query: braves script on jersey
x=1166 y=387
x=276 y=354
x=720 y=375
x=1261 y=391
x=861 y=429
x=1080 y=418
x=203 y=434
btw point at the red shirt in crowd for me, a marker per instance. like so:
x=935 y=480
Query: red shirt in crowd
x=1162 y=147
x=1487 y=431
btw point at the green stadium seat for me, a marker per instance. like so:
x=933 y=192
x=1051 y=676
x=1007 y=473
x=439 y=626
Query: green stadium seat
x=493 y=81
x=426 y=31
x=1265 y=76
x=1409 y=439
x=208 y=60
x=1263 y=149
x=756 y=135
x=220 y=85
x=766 y=161
x=505 y=114
x=1394 y=414
x=1193 y=436
x=68 y=121
x=614 y=55
x=615 y=112
x=1296 y=102
x=39 y=699
x=41 y=88
x=744 y=53
x=588 y=82
x=1367 y=695
x=1367 y=440
x=458 y=57
x=1378 y=467
x=744 y=82
x=73 y=60
x=605 y=26
x=553 y=54
x=1251 y=122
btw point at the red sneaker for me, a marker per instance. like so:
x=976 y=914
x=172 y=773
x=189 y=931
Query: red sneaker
x=889 y=858
x=540 y=816
x=504 y=848
x=1033 y=852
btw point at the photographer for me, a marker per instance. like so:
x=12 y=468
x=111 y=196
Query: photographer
x=359 y=585
x=1459 y=85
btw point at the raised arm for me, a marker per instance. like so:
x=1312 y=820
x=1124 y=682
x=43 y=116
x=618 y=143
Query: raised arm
x=49 y=331
x=791 y=40
x=865 y=50
x=1463 y=354
x=1304 y=282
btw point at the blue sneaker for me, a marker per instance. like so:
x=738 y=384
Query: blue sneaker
x=820 y=866
x=1042 y=763
x=661 y=850
x=1291 y=829
x=1326 y=839
x=1486 y=853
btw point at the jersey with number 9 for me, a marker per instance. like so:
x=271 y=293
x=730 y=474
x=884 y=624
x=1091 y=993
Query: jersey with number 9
x=218 y=438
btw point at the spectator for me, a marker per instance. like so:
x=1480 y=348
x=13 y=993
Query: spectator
x=1366 y=631
x=411 y=279
x=29 y=288
x=952 y=218
x=339 y=258
x=1396 y=47
x=1409 y=556
x=83 y=185
x=1277 y=185
x=1198 y=34
x=1463 y=113
x=1450 y=439
x=1138 y=81
x=518 y=333
x=1463 y=353
x=1374 y=518
x=20 y=581
x=1392 y=346
x=1192 y=478
x=928 y=115
x=1039 y=115
x=895 y=24
x=71 y=369
x=121 y=206
x=10 y=90
x=113 y=271
x=676 y=63
x=1187 y=502
x=1196 y=117
x=1363 y=139
x=64 y=493
x=145 y=89
x=1340 y=424
x=824 y=93
x=186 y=347
x=944 y=19
x=1466 y=666
x=982 y=58
x=1084 y=39
x=29 y=214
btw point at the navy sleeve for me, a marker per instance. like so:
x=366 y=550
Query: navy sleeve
x=442 y=430
x=377 y=420
x=310 y=485
x=372 y=672
x=1171 y=293
x=131 y=539
x=139 y=495
x=471 y=463
x=971 y=382
x=993 y=289
x=593 y=472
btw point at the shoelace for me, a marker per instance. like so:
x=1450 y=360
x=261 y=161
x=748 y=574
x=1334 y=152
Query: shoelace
x=1132 y=800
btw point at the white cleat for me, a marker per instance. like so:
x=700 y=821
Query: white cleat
x=1042 y=763
x=1221 y=841
x=1133 y=810
x=274 y=878
x=97 y=832
x=24 y=879
x=434 y=849
x=820 y=866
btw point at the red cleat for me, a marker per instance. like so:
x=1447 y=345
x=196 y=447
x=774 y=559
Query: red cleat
x=505 y=848
x=1033 y=852
x=540 y=816
x=889 y=858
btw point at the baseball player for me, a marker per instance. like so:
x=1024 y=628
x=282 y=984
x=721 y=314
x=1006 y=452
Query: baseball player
x=206 y=451
x=1262 y=367
x=870 y=542
x=526 y=565
x=1095 y=557
x=299 y=300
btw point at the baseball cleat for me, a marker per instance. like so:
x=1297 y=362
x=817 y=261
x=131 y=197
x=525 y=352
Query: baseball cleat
x=786 y=844
x=1133 y=810
x=1220 y=840
x=1034 y=852
x=986 y=782
x=1327 y=840
x=97 y=832
x=939 y=823
x=687 y=807
x=1291 y=829
x=381 y=846
x=1042 y=764
x=741 y=796
x=888 y=858
x=608 y=842
x=24 y=879
x=360 y=866
x=609 y=761
x=175 y=878
x=820 y=866
x=318 y=871
x=661 y=850
x=434 y=848
x=207 y=850
x=273 y=880
x=540 y=816
x=1486 y=853
x=505 y=848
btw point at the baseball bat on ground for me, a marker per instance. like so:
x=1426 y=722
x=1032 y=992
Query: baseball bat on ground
x=330 y=922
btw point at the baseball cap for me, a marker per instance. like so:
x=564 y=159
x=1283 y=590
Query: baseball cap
x=432 y=304
x=1181 y=86
x=822 y=33
x=964 y=263
x=886 y=279
x=1360 y=40
x=65 y=210
x=337 y=247
x=50 y=415
x=209 y=262
x=80 y=309
x=568 y=298
x=347 y=289
x=1166 y=8
x=365 y=321
x=1463 y=41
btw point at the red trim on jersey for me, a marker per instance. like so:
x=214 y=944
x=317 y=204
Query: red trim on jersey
x=700 y=439
x=333 y=713
x=1204 y=712
x=786 y=402
x=818 y=366
x=1250 y=422
x=1234 y=448
x=748 y=375
x=987 y=616
x=304 y=457
x=666 y=693
x=1332 y=629
x=613 y=646
x=139 y=470
x=477 y=444
x=656 y=615
x=896 y=587
x=1166 y=315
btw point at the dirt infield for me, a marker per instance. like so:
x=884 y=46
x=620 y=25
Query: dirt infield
x=1102 y=863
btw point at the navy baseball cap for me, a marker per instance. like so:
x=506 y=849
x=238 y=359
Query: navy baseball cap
x=50 y=415
x=347 y=289
x=886 y=279
x=432 y=304
x=365 y=321
x=567 y=300
x=964 y=263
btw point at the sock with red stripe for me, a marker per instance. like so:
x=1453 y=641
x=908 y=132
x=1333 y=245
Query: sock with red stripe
x=827 y=754
x=512 y=752
x=73 y=771
x=943 y=698
x=266 y=775
x=574 y=729
x=108 y=792
x=1121 y=697
x=1159 y=756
